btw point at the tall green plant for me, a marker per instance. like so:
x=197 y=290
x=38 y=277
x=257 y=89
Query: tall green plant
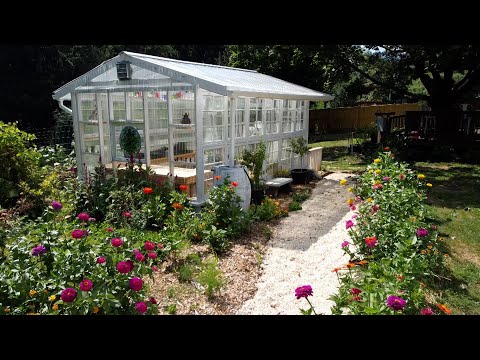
x=254 y=159
x=299 y=146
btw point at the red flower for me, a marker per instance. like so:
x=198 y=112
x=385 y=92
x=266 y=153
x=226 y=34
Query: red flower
x=152 y=255
x=377 y=186
x=83 y=216
x=127 y=214
x=234 y=183
x=117 y=242
x=355 y=291
x=109 y=229
x=86 y=285
x=141 y=307
x=217 y=177
x=147 y=190
x=149 y=245
x=371 y=241
x=183 y=187
x=154 y=268
x=77 y=234
x=375 y=208
x=68 y=295
x=153 y=300
x=177 y=206
x=160 y=246
x=386 y=148
x=136 y=284
x=357 y=298
x=401 y=177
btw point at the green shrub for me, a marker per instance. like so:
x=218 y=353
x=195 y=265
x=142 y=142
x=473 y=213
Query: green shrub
x=211 y=277
x=19 y=164
x=268 y=210
x=294 y=206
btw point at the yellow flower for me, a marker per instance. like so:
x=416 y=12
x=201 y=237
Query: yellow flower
x=55 y=307
x=376 y=182
x=378 y=171
x=377 y=161
x=421 y=176
x=369 y=200
x=350 y=201
x=350 y=189
x=32 y=292
x=429 y=246
x=413 y=218
x=7 y=309
x=96 y=309
x=343 y=182
x=441 y=239
x=429 y=185
x=52 y=298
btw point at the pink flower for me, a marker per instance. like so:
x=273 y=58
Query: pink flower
x=149 y=245
x=116 y=242
x=396 y=303
x=140 y=257
x=345 y=244
x=141 y=307
x=353 y=207
x=83 y=216
x=154 y=268
x=354 y=216
x=386 y=178
x=375 y=208
x=349 y=224
x=401 y=177
x=433 y=227
x=127 y=214
x=160 y=246
x=303 y=291
x=57 y=205
x=92 y=219
x=152 y=255
x=357 y=198
x=136 y=284
x=101 y=260
x=109 y=229
x=371 y=241
x=125 y=267
x=421 y=232
x=377 y=186
x=355 y=291
x=86 y=285
x=153 y=300
x=68 y=295
x=77 y=234
x=426 y=311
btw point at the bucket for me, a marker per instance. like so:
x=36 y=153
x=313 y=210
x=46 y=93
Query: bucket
x=239 y=175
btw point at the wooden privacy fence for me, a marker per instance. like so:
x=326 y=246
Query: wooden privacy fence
x=352 y=118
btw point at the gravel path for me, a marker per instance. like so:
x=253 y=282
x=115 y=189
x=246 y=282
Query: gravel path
x=304 y=249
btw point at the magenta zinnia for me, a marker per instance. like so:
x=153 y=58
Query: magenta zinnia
x=140 y=257
x=86 y=285
x=371 y=241
x=421 y=232
x=396 y=303
x=117 y=242
x=101 y=259
x=345 y=244
x=39 y=250
x=355 y=291
x=127 y=214
x=349 y=224
x=152 y=255
x=303 y=291
x=125 y=267
x=426 y=311
x=149 y=245
x=83 y=216
x=57 y=205
x=141 y=307
x=136 y=284
x=77 y=234
x=68 y=295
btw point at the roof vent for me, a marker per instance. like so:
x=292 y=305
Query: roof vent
x=124 y=71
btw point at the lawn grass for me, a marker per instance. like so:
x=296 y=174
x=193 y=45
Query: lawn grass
x=454 y=200
x=336 y=156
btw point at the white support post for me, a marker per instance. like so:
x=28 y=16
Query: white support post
x=170 y=134
x=77 y=135
x=307 y=116
x=200 y=164
x=246 y=119
x=113 y=141
x=225 y=127
x=100 y=127
x=146 y=129
x=233 y=116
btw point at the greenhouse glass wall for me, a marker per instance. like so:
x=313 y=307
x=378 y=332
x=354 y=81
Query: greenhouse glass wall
x=181 y=114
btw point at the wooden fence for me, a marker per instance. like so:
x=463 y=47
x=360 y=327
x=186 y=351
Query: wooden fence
x=352 y=118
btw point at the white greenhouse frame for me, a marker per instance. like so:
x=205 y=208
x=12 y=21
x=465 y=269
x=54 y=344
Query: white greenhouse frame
x=157 y=95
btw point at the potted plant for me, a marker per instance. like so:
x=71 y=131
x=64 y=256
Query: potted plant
x=299 y=146
x=253 y=159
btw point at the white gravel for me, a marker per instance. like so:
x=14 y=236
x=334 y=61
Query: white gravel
x=304 y=249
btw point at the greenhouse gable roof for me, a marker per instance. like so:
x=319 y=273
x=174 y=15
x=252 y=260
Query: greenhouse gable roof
x=222 y=80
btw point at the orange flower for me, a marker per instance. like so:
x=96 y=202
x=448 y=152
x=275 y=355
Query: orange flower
x=423 y=252
x=400 y=277
x=362 y=262
x=177 y=206
x=386 y=148
x=183 y=187
x=444 y=308
x=147 y=190
x=217 y=177
x=350 y=265
x=446 y=255
x=234 y=183
x=96 y=309
x=429 y=247
x=336 y=269
x=55 y=307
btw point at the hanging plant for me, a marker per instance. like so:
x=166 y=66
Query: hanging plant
x=130 y=141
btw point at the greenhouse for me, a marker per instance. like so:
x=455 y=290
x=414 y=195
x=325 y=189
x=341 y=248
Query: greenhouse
x=176 y=117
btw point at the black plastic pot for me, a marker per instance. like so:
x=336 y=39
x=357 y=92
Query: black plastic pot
x=300 y=176
x=257 y=195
